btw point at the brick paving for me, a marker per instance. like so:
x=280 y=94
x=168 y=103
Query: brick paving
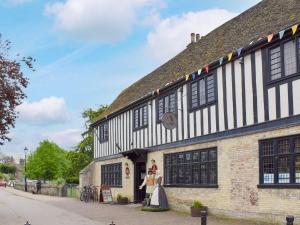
x=104 y=214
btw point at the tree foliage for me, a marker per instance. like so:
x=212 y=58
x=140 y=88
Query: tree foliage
x=47 y=162
x=86 y=145
x=12 y=83
x=8 y=168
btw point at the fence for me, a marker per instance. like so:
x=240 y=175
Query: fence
x=72 y=191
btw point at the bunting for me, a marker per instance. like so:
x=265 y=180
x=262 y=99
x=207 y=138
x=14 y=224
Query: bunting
x=230 y=56
x=206 y=68
x=194 y=75
x=270 y=37
x=199 y=71
x=157 y=91
x=294 y=28
x=239 y=51
x=281 y=33
x=187 y=77
x=153 y=93
x=221 y=60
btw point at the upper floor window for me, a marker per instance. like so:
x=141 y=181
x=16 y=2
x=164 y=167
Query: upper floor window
x=202 y=92
x=140 y=117
x=280 y=161
x=283 y=59
x=166 y=104
x=194 y=168
x=104 y=132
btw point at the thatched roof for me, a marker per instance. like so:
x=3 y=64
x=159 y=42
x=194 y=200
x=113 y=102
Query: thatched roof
x=268 y=16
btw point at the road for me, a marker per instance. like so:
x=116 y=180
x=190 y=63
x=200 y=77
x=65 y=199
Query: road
x=16 y=207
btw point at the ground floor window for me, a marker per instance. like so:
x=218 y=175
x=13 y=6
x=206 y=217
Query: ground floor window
x=111 y=174
x=280 y=161
x=193 y=168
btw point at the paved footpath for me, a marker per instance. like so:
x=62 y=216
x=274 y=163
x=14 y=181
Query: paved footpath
x=16 y=207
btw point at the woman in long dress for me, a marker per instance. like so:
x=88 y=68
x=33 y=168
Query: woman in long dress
x=159 y=197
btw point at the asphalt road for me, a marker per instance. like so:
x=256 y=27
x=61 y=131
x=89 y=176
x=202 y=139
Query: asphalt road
x=16 y=207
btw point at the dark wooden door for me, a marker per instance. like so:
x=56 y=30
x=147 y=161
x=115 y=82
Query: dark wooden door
x=140 y=172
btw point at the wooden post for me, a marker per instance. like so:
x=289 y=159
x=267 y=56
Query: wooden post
x=203 y=217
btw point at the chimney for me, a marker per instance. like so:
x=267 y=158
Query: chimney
x=193 y=37
x=198 y=37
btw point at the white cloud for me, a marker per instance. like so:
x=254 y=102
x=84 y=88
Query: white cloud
x=46 y=111
x=68 y=138
x=172 y=35
x=100 y=20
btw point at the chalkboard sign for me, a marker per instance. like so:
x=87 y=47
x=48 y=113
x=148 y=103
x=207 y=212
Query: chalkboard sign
x=106 y=195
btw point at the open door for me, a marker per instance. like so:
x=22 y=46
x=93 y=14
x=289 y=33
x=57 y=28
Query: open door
x=140 y=172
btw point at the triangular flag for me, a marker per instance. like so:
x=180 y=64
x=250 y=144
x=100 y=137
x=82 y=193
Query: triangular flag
x=187 y=77
x=153 y=92
x=199 y=71
x=270 y=37
x=221 y=60
x=157 y=91
x=230 y=56
x=239 y=51
x=281 y=33
x=294 y=28
x=206 y=68
x=251 y=42
x=194 y=75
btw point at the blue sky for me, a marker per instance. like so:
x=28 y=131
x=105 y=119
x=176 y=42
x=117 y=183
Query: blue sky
x=88 y=51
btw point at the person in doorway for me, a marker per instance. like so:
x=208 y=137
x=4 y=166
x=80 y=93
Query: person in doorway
x=38 y=187
x=149 y=182
x=159 y=197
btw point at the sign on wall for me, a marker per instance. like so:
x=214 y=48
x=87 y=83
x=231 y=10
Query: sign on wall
x=169 y=120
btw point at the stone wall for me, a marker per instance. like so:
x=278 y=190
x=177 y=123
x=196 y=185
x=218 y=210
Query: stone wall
x=47 y=189
x=238 y=176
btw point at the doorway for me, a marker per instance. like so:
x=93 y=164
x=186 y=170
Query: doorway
x=140 y=173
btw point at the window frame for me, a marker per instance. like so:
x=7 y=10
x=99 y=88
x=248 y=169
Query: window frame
x=291 y=154
x=281 y=45
x=158 y=120
x=208 y=163
x=191 y=108
x=105 y=173
x=133 y=119
x=103 y=138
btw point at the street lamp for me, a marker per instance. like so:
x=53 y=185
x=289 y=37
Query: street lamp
x=25 y=152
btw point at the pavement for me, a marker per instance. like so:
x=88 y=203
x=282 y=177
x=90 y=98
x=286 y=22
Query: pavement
x=17 y=207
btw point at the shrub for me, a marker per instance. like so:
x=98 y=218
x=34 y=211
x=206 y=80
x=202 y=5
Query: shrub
x=197 y=204
x=60 y=181
x=72 y=180
x=119 y=197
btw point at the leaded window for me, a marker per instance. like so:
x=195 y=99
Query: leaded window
x=283 y=59
x=111 y=175
x=280 y=160
x=103 y=132
x=202 y=92
x=194 y=168
x=166 y=104
x=140 y=119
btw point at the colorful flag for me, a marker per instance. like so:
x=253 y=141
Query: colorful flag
x=270 y=37
x=230 y=56
x=199 y=71
x=206 y=68
x=294 y=28
x=157 y=91
x=221 y=60
x=281 y=33
x=194 y=75
x=239 y=51
x=187 y=77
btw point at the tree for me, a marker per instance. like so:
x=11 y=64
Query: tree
x=47 y=162
x=12 y=83
x=8 y=168
x=90 y=115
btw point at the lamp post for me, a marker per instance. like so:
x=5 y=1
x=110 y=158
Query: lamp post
x=25 y=152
